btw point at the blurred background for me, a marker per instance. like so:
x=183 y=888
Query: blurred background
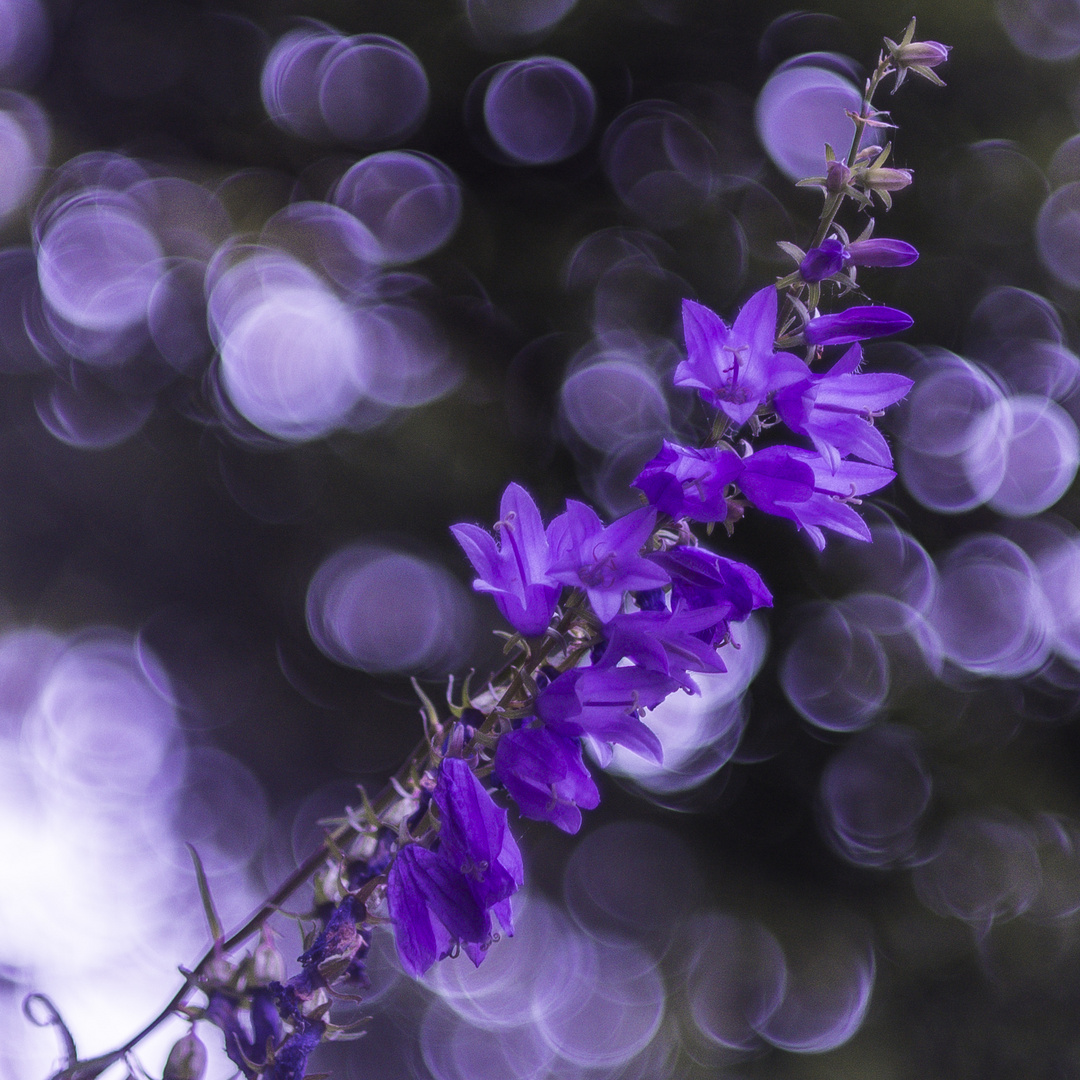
x=287 y=288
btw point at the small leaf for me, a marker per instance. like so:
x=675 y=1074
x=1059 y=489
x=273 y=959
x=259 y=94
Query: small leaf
x=791 y=250
x=216 y=929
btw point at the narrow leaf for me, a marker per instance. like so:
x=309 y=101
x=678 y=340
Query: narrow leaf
x=216 y=929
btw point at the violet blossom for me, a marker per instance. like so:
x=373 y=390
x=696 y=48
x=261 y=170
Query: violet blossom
x=918 y=57
x=800 y=485
x=822 y=262
x=685 y=482
x=605 y=562
x=881 y=251
x=432 y=908
x=475 y=838
x=703 y=580
x=514 y=571
x=606 y=704
x=856 y=324
x=834 y=410
x=664 y=641
x=545 y=775
x=832 y=256
x=735 y=369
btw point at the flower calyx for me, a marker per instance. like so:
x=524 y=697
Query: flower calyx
x=918 y=57
x=876 y=178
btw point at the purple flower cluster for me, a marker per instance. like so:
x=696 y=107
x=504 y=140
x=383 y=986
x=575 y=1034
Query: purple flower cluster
x=650 y=606
x=286 y=1021
x=738 y=371
x=651 y=614
x=621 y=616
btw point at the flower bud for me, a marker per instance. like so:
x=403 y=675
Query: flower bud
x=187 y=1059
x=881 y=252
x=924 y=53
x=837 y=175
x=856 y=324
x=881 y=178
x=824 y=261
x=267 y=963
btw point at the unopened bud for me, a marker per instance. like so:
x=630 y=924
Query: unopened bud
x=925 y=53
x=187 y=1059
x=880 y=178
x=837 y=175
x=881 y=252
x=918 y=57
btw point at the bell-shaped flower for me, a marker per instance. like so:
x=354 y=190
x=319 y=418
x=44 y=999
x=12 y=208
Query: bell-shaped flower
x=474 y=837
x=686 y=482
x=800 y=485
x=704 y=581
x=514 y=571
x=432 y=908
x=605 y=562
x=735 y=369
x=822 y=262
x=606 y=703
x=835 y=410
x=546 y=776
x=664 y=641
x=881 y=251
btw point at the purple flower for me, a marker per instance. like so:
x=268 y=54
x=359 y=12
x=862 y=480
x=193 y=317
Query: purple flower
x=800 y=485
x=684 y=482
x=545 y=775
x=606 y=703
x=432 y=908
x=856 y=324
x=515 y=570
x=835 y=409
x=832 y=256
x=664 y=641
x=822 y=262
x=290 y=1059
x=606 y=563
x=248 y=1054
x=342 y=945
x=735 y=369
x=474 y=837
x=726 y=589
